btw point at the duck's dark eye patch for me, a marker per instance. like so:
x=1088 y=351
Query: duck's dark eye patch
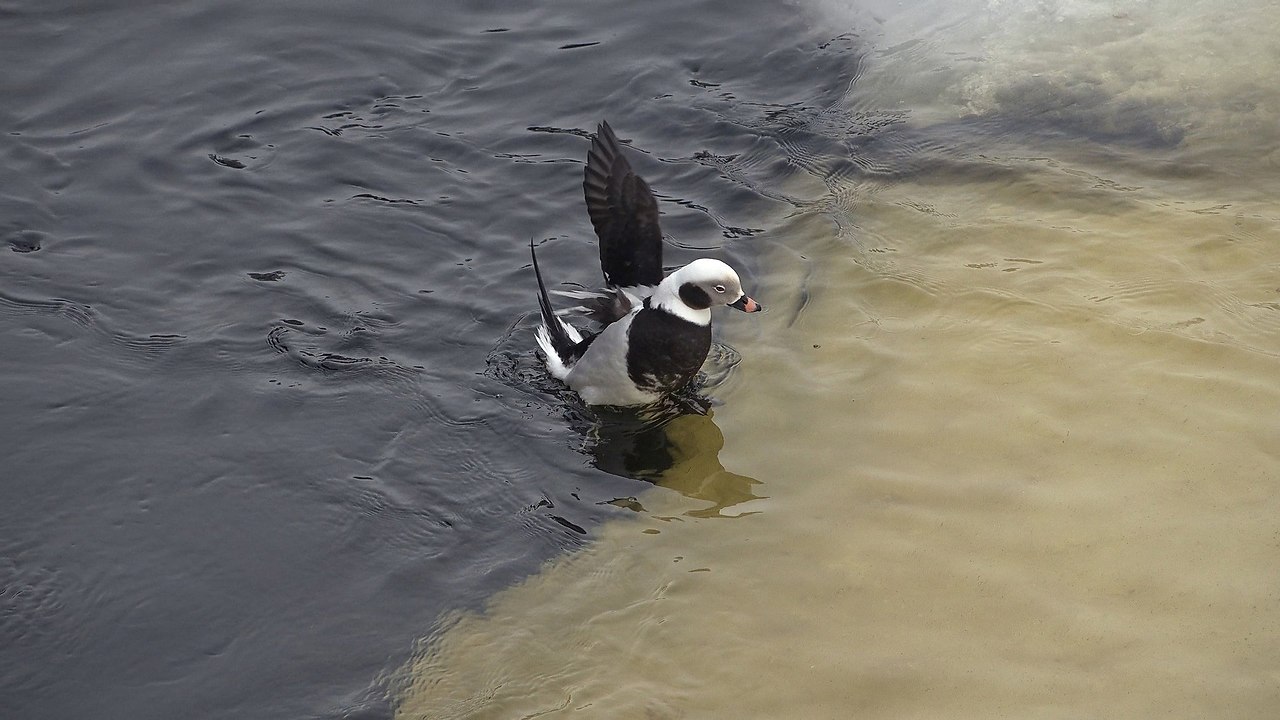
x=719 y=288
x=695 y=297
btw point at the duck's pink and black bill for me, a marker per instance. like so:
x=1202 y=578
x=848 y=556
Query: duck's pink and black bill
x=746 y=304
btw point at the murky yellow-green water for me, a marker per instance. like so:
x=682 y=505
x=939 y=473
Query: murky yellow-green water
x=1018 y=455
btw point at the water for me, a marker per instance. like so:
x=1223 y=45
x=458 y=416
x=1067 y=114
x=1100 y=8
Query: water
x=1003 y=444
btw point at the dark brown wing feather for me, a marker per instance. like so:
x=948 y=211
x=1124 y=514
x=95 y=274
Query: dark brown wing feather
x=624 y=213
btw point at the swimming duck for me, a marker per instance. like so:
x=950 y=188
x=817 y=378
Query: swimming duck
x=657 y=329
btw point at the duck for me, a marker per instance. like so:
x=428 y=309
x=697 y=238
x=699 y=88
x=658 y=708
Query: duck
x=656 y=330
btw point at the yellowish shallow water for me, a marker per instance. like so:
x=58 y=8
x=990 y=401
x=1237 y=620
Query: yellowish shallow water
x=1017 y=456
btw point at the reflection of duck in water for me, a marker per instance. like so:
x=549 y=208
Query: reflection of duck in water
x=657 y=330
x=678 y=451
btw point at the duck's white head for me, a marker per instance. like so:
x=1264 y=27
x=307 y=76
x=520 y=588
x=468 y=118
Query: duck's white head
x=692 y=291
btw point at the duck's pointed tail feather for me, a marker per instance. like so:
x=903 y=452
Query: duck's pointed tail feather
x=561 y=342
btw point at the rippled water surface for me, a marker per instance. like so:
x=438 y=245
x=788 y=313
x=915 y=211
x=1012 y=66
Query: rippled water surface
x=1004 y=444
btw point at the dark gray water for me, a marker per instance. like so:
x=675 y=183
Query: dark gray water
x=267 y=407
